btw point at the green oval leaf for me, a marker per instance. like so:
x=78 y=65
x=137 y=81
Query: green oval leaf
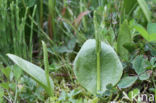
x=127 y=81
x=37 y=73
x=85 y=66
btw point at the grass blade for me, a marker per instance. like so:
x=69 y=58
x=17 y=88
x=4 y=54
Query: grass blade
x=145 y=9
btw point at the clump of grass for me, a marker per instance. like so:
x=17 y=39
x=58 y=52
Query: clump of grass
x=13 y=32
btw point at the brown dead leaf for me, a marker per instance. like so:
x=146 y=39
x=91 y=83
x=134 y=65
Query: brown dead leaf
x=63 y=11
x=79 y=18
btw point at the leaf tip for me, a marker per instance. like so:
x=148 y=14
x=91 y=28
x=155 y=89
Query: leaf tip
x=9 y=55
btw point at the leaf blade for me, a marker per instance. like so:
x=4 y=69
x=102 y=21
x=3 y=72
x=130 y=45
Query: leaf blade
x=123 y=38
x=85 y=66
x=127 y=81
x=142 y=31
x=34 y=71
x=145 y=9
x=139 y=64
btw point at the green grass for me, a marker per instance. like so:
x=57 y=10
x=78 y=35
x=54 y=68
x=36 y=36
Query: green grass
x=13 y=32
x=64 y=25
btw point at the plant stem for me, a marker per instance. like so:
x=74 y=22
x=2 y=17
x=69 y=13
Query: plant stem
x=41 y=13
x=82 y=9
x=46 y=65
x=51 y=20
x=98 y=68
x=31 y=34
x=98 y=49
x=154 y=86
x=16 y=93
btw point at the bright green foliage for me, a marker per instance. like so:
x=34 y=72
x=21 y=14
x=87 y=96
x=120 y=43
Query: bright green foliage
x=133 y=94
x=142 y=31
x=150 y=34
x=145 y=9
x=37 y=73
x=127 y=81
x=85 y=66
x=123 y=38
